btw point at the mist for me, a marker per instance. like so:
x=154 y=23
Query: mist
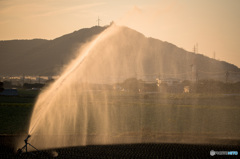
x=104 y=97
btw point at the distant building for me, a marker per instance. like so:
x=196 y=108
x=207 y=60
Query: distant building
x=9 y=92
x=168 y=81
x=186 y=89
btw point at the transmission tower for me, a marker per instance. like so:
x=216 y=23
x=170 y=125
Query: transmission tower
x=98 y=20
x=195 y=48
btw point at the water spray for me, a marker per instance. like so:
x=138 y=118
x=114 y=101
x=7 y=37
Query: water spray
x=64 y=76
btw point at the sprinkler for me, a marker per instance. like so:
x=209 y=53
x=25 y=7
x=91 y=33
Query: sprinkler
x=26 y=145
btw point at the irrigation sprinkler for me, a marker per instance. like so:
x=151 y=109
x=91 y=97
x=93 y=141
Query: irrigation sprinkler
x=26 y=146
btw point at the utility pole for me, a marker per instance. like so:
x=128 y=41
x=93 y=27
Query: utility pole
x=23 y=78
x=39 y=79
x=191 y=72
x=227 y=75
x=196 y=75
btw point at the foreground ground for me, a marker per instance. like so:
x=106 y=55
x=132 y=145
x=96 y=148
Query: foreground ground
x=127 y=151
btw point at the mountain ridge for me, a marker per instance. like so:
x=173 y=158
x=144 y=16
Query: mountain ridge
x=46 y=57
x=55 y=53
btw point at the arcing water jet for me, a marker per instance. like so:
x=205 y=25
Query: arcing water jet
x=104 y=97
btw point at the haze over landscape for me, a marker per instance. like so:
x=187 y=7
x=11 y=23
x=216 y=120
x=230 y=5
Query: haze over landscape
x=161 y=59
x=212 y=25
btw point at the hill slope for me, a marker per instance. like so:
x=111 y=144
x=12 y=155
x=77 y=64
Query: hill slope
x=124 y=53
x=42 y=57
x=132 y=49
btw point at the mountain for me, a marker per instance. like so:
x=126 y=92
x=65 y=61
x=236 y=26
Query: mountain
x=147 y=58
x=42 y=57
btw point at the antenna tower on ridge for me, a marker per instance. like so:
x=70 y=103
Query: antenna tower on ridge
x=98 y=20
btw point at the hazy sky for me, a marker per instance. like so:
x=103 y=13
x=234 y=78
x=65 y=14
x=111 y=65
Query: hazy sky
x=213 y=24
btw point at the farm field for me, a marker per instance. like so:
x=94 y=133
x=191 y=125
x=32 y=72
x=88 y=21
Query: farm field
x=15 y=112
x=164 y=125
x=158 y=112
